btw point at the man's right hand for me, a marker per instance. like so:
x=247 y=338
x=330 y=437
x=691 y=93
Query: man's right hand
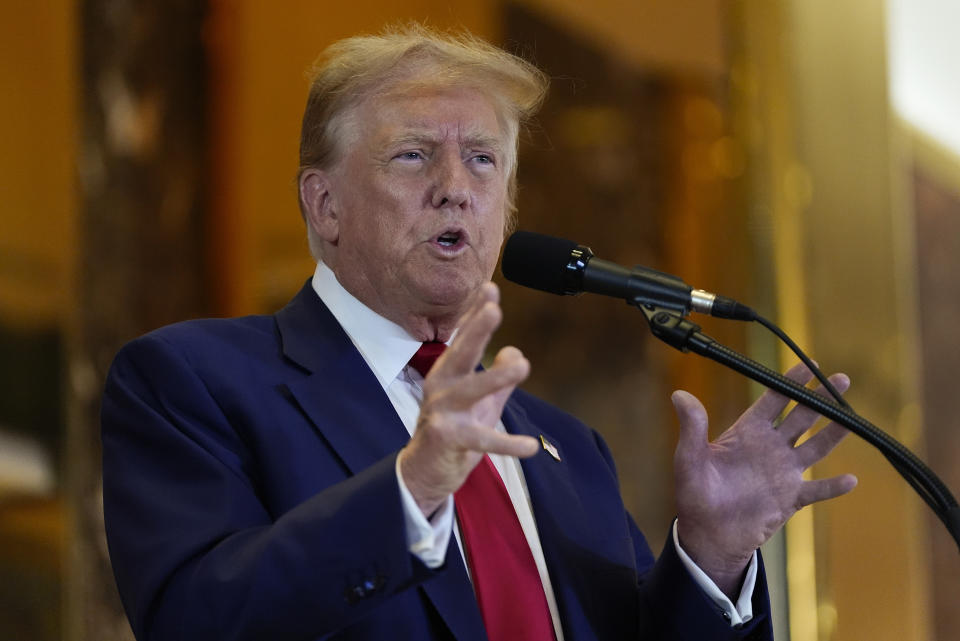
x=461 y=408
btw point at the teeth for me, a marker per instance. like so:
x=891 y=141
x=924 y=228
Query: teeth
x=448 y=239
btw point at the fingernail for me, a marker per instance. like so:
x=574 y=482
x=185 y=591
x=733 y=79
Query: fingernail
x=675 y=397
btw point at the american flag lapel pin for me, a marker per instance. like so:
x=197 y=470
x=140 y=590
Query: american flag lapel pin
x=550 y=448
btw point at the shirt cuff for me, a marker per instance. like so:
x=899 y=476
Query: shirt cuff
x=426 y=539
x=743 y=611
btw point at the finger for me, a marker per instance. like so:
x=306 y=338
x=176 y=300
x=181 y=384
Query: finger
x=801 y=417
x=474 y=335
x=492 y=441
x=509 y=369
x=692 y=441
x=824 y=489
x=488 y=292
x=820 y=444
x=769 y=406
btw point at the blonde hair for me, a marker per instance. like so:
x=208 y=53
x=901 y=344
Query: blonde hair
x=414 y=56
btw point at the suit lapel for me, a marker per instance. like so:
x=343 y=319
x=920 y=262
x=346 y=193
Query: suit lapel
x=548 y=480
x=557 y=510
x=344 y=401
x=341 y=397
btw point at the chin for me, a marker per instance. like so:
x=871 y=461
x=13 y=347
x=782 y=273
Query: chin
x=451 y=295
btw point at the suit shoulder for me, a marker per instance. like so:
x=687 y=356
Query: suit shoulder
x=215 y=327
x=535 y=405
x=562 y=424
x=203 y=340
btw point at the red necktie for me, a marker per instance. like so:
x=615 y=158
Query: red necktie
x=505 y=577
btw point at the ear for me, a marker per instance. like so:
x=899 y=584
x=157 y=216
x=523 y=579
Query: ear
x=316 y=198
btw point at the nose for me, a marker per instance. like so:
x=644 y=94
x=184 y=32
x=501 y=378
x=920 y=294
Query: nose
x=451 y=184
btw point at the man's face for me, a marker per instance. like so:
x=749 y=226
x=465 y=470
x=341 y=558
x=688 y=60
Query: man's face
x=419 y=198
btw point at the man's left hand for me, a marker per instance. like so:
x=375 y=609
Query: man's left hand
x=734 y=493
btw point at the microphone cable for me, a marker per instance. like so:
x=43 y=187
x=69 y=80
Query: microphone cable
x=925 y=483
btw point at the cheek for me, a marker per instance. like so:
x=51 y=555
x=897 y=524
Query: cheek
x=492 y=240
x=371 y=212
x=495 y=221
x=490 y=198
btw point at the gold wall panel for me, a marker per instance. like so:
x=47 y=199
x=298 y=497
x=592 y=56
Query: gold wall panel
x=38 y=200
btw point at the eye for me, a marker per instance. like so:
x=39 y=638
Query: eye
x=410 y=155
x=483 y=159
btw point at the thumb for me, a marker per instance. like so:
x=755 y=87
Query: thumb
x=691 y=414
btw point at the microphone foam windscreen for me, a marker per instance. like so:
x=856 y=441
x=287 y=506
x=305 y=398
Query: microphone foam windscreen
x=537 y=261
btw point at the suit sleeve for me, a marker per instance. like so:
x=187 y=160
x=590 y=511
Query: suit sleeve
x=196 y=554
x=672 y=607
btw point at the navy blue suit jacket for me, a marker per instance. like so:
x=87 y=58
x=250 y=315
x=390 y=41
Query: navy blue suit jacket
x=250 y=493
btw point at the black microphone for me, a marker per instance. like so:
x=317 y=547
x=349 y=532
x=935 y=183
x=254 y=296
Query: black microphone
x=560 y=266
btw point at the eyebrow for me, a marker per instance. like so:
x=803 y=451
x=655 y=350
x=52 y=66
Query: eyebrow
x=470 y=141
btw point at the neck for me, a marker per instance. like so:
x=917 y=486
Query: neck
x=422 y=320
x=425 y=323
x=428 y=328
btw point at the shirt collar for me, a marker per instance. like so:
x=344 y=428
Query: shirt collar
x=385 y=346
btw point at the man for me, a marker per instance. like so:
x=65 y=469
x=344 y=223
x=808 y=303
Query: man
x=293 y=477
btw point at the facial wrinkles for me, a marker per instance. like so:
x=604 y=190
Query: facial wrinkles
x=449 y=162
x=467 y=137
x=390 y=217
x=430 y=124
x=450 y=150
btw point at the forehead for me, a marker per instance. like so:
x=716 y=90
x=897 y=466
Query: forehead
x=468 y=114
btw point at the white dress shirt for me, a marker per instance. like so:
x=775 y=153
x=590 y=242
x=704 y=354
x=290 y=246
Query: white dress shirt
x=387 y=349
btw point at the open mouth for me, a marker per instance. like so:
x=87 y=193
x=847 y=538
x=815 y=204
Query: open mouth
x=449 y=239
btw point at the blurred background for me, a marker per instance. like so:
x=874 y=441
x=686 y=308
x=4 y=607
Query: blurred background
x=802 y=156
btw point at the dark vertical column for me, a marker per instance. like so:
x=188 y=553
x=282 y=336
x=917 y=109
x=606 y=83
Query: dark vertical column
x=142 y=163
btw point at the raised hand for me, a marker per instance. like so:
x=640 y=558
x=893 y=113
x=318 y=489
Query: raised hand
x=461 y=408
x=734 y=493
